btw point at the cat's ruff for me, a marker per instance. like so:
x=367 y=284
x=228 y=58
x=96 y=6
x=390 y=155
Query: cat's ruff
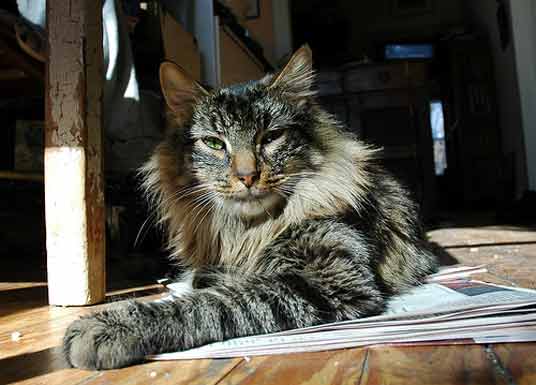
x=280 y=218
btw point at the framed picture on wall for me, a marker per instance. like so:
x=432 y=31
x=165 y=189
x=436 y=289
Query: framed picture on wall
x=254 y=9
x=411 y=7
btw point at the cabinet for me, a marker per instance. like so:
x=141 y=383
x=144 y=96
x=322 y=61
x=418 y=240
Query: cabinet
x=478 y=171
x=388 y=104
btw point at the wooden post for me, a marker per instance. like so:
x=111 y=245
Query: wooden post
x=74 y=187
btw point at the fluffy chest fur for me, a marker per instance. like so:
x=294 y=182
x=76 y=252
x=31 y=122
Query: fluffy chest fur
x=201 y=233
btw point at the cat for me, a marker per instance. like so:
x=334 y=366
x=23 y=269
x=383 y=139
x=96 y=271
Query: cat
x=280 y=218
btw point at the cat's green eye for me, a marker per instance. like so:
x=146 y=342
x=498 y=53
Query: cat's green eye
x=214 y=143
x=270 y=136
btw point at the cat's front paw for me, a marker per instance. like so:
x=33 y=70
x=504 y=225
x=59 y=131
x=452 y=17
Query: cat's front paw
x=101 y=341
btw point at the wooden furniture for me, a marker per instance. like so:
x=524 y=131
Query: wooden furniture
x=388 y=105
x=478 y=172
x=179 y=45
x=20 y=74
x=74 y=182
x=21 y=79
x=237 y=63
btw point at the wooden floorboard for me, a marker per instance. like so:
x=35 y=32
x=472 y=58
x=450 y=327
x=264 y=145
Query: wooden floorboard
x=508 y=251
x=427 y=365
x=200 y=372
x=341 y=367
x=518 y=362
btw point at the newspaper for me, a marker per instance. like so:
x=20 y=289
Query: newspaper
x=450 y=308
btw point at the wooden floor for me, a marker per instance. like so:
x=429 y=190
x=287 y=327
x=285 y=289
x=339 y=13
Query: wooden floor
x=509 y=251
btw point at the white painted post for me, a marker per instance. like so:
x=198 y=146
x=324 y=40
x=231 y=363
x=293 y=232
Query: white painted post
x=74 y=187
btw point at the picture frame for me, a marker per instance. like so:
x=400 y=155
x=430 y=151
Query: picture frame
x=254 y=9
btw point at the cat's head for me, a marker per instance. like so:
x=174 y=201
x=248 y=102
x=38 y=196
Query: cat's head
x=247 y=144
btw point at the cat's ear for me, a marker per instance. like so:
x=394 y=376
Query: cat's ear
x=179 y=89
x=297 y=78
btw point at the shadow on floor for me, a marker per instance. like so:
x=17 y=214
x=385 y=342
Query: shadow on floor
x=445 y=258
x=30 y=365
x=16 y=300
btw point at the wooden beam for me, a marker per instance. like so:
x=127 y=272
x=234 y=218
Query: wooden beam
x=25 y=87
x=74 y=187
x=15 y=56
x=24 y=176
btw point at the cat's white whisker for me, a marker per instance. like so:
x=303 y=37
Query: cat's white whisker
x=198 y=208
x=138 y=235
x=208 y=210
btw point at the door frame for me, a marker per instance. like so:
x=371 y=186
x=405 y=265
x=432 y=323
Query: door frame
x=524 y=37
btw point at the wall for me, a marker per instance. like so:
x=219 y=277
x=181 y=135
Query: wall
x=282 y=30
x=483 y=14
x=236 y=65
x=524 y=36
x=340 y=31
x=261 y=29
x=378 y=21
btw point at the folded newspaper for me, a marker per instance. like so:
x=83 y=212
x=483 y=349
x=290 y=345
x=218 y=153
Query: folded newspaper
x=450 y=308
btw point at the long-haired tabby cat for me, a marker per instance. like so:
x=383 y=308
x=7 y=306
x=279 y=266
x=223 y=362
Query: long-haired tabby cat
x=279 y=217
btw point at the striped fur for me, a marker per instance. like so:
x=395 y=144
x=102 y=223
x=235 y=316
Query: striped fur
x=323 y=235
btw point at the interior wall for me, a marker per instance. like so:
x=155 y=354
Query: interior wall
x=483 y=15
x=341 y=31
x=282 y=30
x=260 y=28
x=379 y=21
x=524 y=37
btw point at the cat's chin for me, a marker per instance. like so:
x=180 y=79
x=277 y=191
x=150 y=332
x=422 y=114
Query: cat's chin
x=266 y=205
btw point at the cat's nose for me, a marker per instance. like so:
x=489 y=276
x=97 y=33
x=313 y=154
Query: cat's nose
x=245 y=167
x=248 y=179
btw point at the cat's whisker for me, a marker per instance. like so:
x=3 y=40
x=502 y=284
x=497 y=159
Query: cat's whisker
x=183 y=193
x=193 y=190
x=208 y=210
x=202 y=190
x=139 y=234
x=201 y=197
x=202 y=200
x=209 y=197
x=208 y=207
x=192 y=204
x=282 y=192
x=152 y=216
x=304 y=174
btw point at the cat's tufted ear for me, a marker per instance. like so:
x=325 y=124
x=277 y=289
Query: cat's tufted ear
x=179 y=89
x=297 y=78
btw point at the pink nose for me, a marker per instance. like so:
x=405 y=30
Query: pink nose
x=248 y=180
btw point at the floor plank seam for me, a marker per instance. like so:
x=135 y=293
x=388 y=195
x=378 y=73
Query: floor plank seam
x=89 y=379
x=225 y=375
x=364 y=367
x=483 y=245
x=498 y=365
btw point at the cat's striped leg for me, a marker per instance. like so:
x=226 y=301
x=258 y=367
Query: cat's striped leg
x=232 y=306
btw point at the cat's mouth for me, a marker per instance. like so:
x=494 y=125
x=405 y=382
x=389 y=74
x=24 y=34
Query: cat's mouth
x=253 y=202
x=251 y=195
